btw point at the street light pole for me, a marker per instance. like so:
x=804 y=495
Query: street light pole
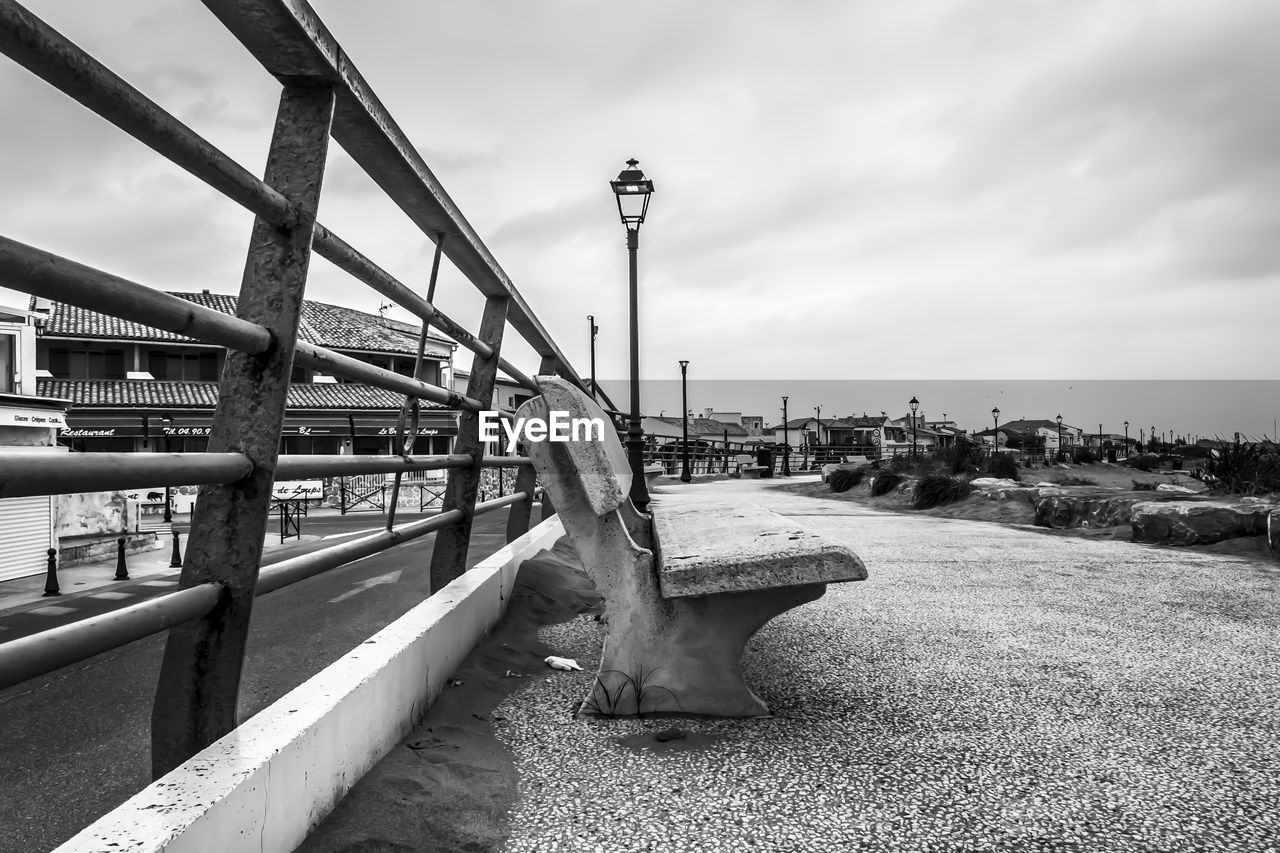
x=817 y=432
x=591 y=321
x=632 y=190
x=1059 y=436
x=786 y=441
x=685 y=476
x=995 y=431
x=915 y=404
x=1126 y=439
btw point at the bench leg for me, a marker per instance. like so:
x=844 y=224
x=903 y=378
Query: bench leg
x=685 y=654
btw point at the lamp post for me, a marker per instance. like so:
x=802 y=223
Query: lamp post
x=591 y=322
x=685 y=477
x=1059 y=434
x=1126 y=439
x=168 y=429
x=632 y=189
x=995 y=430
x=915 y=404
x=786 y=441
x=1153 y=438
x=817 y=432
x=1099 y=442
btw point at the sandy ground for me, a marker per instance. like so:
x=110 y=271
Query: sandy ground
x=451 y=783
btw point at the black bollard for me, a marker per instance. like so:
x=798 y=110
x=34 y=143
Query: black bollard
x=51 y=575
x=176 y=561
x=122 y=571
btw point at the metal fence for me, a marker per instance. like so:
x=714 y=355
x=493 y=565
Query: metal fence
x=323 y=97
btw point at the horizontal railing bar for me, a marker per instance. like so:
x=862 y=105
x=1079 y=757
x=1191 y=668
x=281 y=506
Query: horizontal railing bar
x=337 y=364
x=42 y=273
x=290 y=40
x=38 y=654
x=499 y=503
x=286 y=572
x=333 y=248
x=52 y=57
x=301 y=467
x=49 y=55
x=25 y=474
x=505 y=461
x=509 y=369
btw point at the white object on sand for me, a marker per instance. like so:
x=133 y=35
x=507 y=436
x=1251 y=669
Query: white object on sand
x=561 y=663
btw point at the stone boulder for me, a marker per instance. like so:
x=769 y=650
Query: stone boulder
x=828 y=470
x=1062 y=511
x=1201 y=523
x=993 y=482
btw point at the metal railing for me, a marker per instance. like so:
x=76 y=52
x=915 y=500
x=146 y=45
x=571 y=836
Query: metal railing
x=323 y=97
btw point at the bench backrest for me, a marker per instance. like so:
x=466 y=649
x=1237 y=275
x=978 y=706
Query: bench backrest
x=593 y=471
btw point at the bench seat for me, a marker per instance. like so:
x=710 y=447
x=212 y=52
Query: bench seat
x=706 y=547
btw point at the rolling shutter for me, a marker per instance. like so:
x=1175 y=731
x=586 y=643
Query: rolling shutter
x=26 y=535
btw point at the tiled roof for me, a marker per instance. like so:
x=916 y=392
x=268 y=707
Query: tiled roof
x=704 y=426
x=129 y=393
x=322 y=324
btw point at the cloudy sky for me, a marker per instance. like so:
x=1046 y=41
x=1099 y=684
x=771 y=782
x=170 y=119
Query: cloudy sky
x=939 y=190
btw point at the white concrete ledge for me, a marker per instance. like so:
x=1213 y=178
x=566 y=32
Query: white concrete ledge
x=265 y=785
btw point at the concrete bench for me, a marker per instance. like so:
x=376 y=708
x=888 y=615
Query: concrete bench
x=685 y=587
x=751 y=472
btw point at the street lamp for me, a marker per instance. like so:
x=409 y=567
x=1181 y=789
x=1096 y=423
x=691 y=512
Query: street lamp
x=786 y=441
x=168 y=429
x=591 y=322
x=817 y=431
x=1059 y=434
x=995 y=430
x=632 y=190
x=915 y=404
x=1126 y=439
x=1153 y=439
x=685 y=477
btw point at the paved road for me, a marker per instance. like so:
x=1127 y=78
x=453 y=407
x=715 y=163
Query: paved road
x=988 y=688
x=75 y=744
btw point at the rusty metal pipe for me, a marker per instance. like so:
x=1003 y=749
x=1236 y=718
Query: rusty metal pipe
x=286 y=572
x=45 y=274
x=301 y=467
x=328 y=361
x=38 y=654
x=24 y=474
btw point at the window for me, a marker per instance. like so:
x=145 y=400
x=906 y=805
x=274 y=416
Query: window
x=87 y=364
x=180 y=366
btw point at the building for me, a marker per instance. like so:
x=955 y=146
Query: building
x=29 y=423
x=137 y=388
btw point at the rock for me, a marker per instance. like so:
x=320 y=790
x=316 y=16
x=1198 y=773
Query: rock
x=988 y=482
x=1062 y=511
x=1170 y=487
x=1200 y=523
x=1273 y=533
x=828 y=470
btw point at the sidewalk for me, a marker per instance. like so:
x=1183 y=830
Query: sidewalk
x=91 y=588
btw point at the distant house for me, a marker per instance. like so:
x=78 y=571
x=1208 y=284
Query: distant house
x=753 y=424
x=1041 y=429
x=668 y=429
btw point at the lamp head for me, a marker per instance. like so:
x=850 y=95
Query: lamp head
x=632 y=190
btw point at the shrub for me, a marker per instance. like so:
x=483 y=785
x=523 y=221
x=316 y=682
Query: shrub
x=1060 y=457
x=845 y=479
x=884 y=483
x=1247 y=468
x=1144 y=462
x=1003 y=465
x=898 y=464
x=1143 y=487
x=961 y=458
x=1193 y=451
x=1084 y=456
x=1072 y=480
x=938 y=489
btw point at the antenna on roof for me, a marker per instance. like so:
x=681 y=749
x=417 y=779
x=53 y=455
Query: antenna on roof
x=384 y=307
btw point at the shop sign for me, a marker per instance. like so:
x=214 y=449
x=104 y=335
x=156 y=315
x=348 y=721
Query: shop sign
x=31 y=418
x=284 y=490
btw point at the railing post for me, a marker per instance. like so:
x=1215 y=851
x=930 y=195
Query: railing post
x=449 y=554
x=199 y=680
x=175 y=560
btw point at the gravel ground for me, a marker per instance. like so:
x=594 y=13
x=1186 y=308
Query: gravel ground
x=989 y=688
